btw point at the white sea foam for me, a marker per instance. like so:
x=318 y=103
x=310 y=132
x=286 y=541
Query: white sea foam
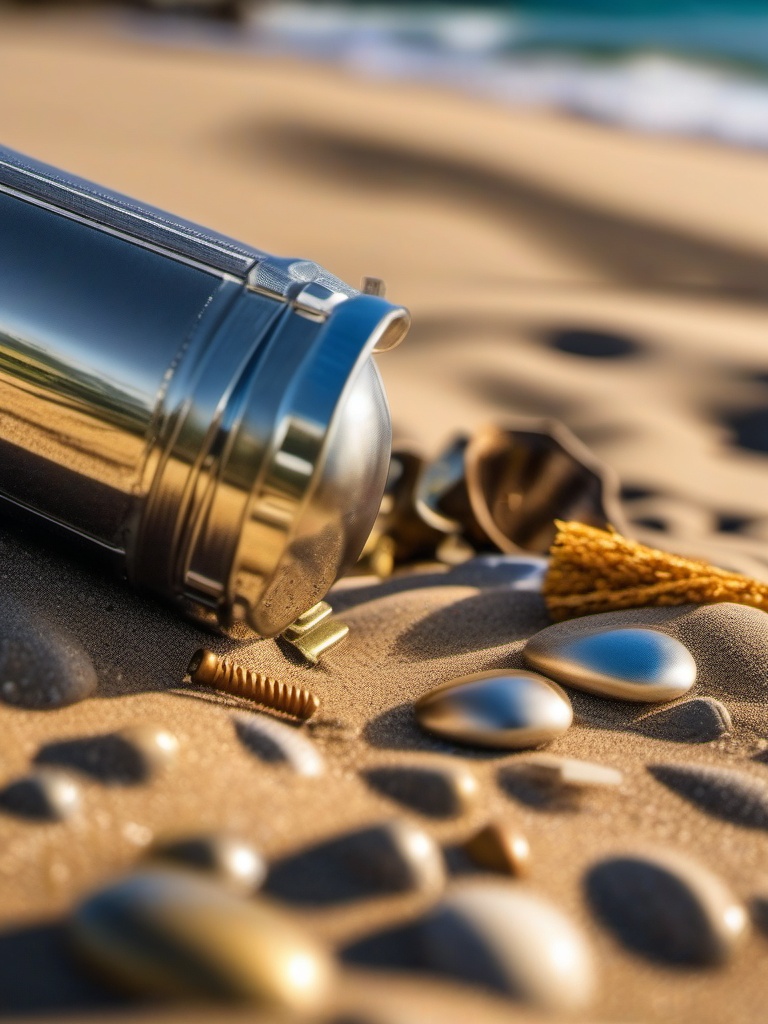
x=638 y=82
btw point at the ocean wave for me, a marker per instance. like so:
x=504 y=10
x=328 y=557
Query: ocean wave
x=701 y=75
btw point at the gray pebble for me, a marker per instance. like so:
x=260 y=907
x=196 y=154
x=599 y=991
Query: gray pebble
x=626 y=663
x=699 y=720
x=505 y=937
x=47 y=794
x=166 y=933
x=439 y=790
x=724 y=793
x=667 y=907
x=41 y=667
x=517 y=572
x=508 y=710
x=276 y=742
x=129 y=756
x=232 y=861
x=393 y=857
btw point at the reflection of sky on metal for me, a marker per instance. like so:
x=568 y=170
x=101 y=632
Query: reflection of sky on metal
x=697 y=70
x=638 y=655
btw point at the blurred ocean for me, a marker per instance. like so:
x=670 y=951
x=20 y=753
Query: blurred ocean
x=685 y=68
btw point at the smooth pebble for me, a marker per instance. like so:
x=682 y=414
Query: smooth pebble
x=41 y=666
x=510 y=710
x=699 y=720
x=569 y=771
x=47 y=794
x=392 y=857
x=230 y=860
x=275 y=742
x=500 y=846
x=440 y=790
x=667 y=907
x=515 y=572
x=172 y=934
x=128 y=756
x=726 y=793
x=628 y=663
x=504 y=936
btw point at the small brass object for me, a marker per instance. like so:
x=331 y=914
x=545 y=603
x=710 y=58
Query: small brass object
x=373 y=286
x=207 y=669
x=314 y=632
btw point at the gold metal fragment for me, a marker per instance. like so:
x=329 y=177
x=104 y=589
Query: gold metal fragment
x=207 y=669
x=314 y=632
x=373 y=286
x=500 y=847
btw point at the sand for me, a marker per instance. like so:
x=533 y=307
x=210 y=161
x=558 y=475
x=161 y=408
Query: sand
x=518 y=239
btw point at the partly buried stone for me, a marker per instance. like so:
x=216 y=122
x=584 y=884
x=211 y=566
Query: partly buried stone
x=167 y=933
x=725 y=793
x=699 y=720
x=46 y=794
x=667 y=907
x=440 y=789
x=551 y=770
x=128 y=756
x=505 y=937
x=500 y=846
x=510 y=710
x=41 y=667
x=627 y=662
x=278 y=743
x=226 y=858
x=556 y=783
x=392 y=857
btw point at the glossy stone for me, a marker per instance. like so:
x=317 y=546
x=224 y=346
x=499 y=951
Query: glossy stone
x=391 y=857
x=126 y=757
x=508 y=709
x=228 y=859
x=500 y=846
x=154 y=748
x=504 y=936
x=439 y=790
x=699 y=720
x=171 y=934
x=667 y=907
x=627 y=663
x=40 y=666
x=278 y=743
x=46 y=794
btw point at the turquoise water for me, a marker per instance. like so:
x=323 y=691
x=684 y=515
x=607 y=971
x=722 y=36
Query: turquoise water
x=684 y=68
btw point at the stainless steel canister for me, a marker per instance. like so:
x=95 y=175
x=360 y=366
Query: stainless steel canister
x=206 y=415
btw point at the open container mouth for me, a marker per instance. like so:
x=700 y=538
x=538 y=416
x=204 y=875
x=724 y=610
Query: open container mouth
x=278 y=462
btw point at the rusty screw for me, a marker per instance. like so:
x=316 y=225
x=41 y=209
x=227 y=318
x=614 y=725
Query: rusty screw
x=208 y=669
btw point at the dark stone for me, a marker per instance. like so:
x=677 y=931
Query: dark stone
x=666 y=908
x=594 y=344
x=45 y=795
x=699 y=720
x=228 y=859
x=722 y=792
x=440 y=791
x=392 y=857
x=127 y=757
x=40 y=666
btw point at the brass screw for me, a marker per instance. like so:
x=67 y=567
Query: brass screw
x=208 y=669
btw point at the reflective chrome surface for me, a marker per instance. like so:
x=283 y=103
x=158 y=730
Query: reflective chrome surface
x=206 y=414
x=636 y=663
x=508 y=709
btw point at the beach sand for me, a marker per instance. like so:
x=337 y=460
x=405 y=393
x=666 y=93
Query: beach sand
x=523 y=243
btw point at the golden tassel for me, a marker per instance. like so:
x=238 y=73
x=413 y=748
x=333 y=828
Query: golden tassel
x=594 y=570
